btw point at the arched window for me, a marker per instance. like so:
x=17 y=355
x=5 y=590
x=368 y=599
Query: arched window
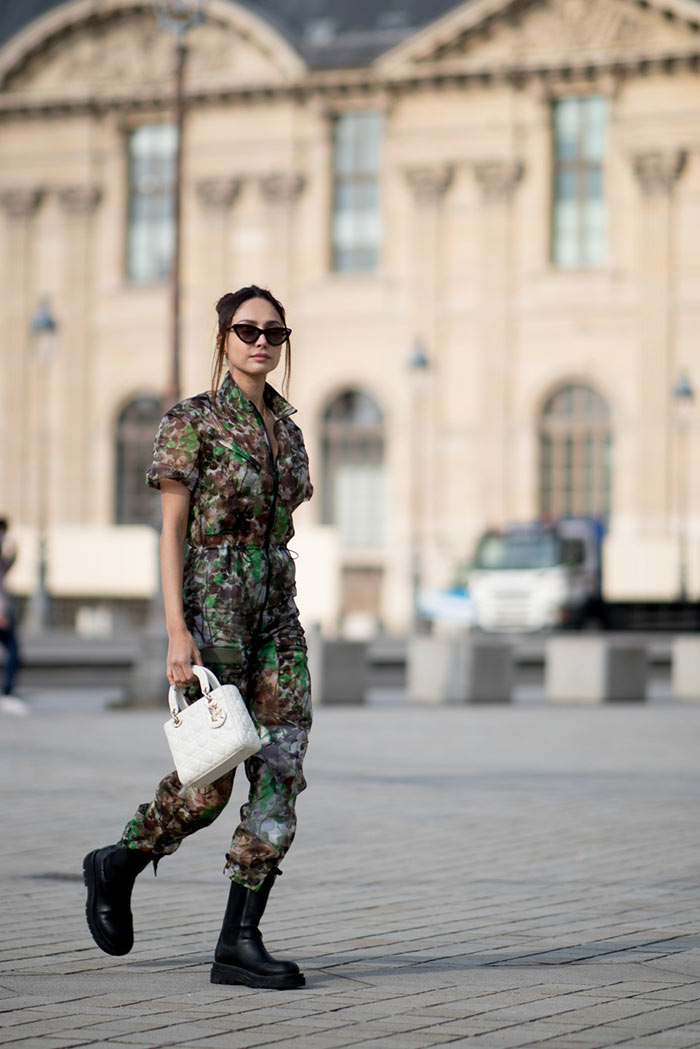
x=575 y=439
x=136 y=429
x=353 y=470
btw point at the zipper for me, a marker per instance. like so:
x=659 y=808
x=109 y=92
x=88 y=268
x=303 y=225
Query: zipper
x=273 y=510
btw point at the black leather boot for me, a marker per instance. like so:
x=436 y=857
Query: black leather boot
x=110 y=874
x=240 y=955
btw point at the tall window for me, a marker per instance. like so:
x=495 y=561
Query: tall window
x=150 y=208
x=575 y=437
x=353 y=470
x=136 y=429
x=579 y=219
x=356 y=220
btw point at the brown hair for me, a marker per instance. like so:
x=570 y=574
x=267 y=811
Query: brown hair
x=226 y=308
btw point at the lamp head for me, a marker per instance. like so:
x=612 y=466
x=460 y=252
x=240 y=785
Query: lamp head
x=178 y=15
x=418 y=361
x=682 y=390
x=43 y=321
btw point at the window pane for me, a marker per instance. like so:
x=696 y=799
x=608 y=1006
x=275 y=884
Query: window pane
x=566 y=234
x=578 y=210
x=150 y=237
x=594 y=183
x=566 y=126
x=136 y=428
x=354 y=488
x=359 y=509
x=575 y=453
x=355 y=224
x=565 y=184
x=594 y=246
x=594 y=127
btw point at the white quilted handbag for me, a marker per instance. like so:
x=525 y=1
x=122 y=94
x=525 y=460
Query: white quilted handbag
x=212 y=735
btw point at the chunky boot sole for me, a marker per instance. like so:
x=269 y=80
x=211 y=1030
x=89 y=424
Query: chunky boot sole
x=232 y=974
x=90 y=877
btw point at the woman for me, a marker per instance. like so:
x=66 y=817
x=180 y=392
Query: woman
x=231 y=468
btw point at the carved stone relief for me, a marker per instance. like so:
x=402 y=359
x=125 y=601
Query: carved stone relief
x=124 y=55
x=658 y=171
x=547 y=31
x=498 y=178
x=20 y=203
x=79 y=200
x=429 y=184
x=281 y=187
x=218 y=194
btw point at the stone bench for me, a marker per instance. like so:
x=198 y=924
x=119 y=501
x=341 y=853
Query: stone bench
x=685 y=668
x=596 y=669
x=459 y=669
x=339 y=670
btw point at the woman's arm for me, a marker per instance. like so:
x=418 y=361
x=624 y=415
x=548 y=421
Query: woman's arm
x=182 y=651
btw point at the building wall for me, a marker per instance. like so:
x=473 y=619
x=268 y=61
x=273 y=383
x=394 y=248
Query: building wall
x=464 y=265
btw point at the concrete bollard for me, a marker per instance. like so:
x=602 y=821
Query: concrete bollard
x=595 y=670
x=685 y=668
x=147 y=683
x=459 y=669
x=342 y=672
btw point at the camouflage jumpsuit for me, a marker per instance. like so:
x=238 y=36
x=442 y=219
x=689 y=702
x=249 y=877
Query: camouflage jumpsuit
x=238 y=590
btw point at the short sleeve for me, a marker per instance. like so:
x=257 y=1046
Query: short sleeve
x=175 y=452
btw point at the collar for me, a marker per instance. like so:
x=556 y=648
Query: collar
x=231 y=396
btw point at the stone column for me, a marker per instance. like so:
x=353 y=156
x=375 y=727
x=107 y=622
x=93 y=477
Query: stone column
x=217 y=197
x=73 y=485
x=497 y=180
x=429 y=184
x=657 y=173
x=19 y=206
x=280 y=191
x=211 y=268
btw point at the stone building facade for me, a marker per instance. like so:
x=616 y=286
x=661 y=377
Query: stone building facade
x=487 y=237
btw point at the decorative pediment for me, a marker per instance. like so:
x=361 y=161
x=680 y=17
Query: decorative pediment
x=484 y=35
x=119 y=50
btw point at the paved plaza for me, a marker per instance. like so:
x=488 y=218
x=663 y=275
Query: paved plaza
x=491 y=877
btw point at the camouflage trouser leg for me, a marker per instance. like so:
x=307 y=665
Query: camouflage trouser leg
x=278 y=697
x=280 y=702
x=159 y=826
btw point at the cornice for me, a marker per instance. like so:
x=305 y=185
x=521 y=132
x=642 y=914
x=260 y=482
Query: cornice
x=74 y=16
x=354 y=85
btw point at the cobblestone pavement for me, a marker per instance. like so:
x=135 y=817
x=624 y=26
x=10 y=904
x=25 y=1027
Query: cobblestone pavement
x=491 y=877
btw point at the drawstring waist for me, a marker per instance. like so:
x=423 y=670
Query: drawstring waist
x=231 y=539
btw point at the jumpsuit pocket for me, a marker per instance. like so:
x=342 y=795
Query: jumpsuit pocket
x=229 y=656
x=280 y=684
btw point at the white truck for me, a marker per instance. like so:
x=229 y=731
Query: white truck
x=540 y=575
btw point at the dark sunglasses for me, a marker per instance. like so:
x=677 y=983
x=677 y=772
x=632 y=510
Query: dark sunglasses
x=250 y=333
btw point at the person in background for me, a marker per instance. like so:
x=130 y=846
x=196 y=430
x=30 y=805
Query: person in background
x=9 y=704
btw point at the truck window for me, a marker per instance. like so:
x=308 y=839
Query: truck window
x=518 y=550
x=573 y=551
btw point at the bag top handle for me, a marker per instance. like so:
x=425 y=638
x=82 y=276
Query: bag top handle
x=207 y=682
x=207 y=679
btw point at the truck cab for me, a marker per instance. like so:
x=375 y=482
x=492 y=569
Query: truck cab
x=536 y=576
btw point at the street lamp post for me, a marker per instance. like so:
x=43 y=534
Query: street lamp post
x=177 y=16
x=418 y=366
x=683 y=395
x=43 y=328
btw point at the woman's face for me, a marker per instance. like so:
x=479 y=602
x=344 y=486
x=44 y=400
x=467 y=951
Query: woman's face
x=253 y=360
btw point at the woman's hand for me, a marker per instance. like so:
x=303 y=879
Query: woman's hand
x=182 y=653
